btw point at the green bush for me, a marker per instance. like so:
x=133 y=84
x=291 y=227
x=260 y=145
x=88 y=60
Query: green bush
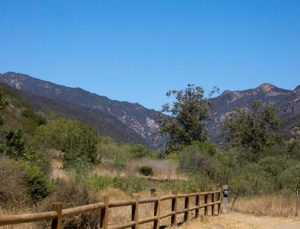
x=290 y=177
x=275 y=165
x=14 y=143
x=192 y=159
x=78 y=141
x=98 y=183
x=294 y=150
x=251 y=179
x=130 y=184
x=37 y=157
x=38 y=185
x=120 y=160
x=146 y=170
x=138 y=151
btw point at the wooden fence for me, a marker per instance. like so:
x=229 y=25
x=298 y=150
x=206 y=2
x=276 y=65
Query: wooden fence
x=211 y=204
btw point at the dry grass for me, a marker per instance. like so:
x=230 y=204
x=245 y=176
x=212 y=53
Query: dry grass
x=267 y=206
x=123 y=214
x=161 y=168
x=13 y=187
x=56 y=165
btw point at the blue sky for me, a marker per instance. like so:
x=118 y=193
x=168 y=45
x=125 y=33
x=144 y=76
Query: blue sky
x=137 y=50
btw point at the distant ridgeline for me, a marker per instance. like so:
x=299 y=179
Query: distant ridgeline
x=125 y=122
x=132 y=123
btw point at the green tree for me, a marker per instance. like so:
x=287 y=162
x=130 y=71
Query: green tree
x=184 y=122
x=253 y=131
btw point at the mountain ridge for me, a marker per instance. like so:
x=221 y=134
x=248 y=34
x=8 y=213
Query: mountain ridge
x=141 y=120
x=287 y=102
x=140 y=123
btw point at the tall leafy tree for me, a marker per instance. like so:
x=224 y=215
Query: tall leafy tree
x=253 y=130
x=184 y=119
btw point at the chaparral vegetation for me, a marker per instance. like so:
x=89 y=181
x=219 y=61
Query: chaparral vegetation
x=46 y=157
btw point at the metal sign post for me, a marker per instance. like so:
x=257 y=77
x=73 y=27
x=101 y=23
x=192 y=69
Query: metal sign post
x=225 y=198
x=152 y=192
x=297 y=202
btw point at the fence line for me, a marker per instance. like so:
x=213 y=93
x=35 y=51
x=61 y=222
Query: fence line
x=58 y=213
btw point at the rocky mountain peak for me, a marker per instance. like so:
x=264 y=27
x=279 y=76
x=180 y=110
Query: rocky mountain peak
x=266 y=87
x=297 y=89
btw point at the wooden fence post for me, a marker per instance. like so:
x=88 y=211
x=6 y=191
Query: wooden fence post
x=297 y=202
x=205 y=203
x=197 y=204
x=187 y=207
x=135 y=212
x=104 y=214
x=174 y=209
x=57 y=222
x=213 y=203
x=220 y=200
x=157 y=213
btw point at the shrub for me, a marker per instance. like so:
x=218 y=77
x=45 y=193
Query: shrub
x=294 y=150
x=274 y=165
x=161 y=168
x=78 y=141
x=98 y=183
x=15 y=143
x=251 y=179
x=146 y=170
x=72 y=194
x=37 y=157
x=38 y=185
x=131 y=184
x=290 y=177
x=120 y=161
x=138 y=151
x=193 y=160
x=80 y=145
x=13 y=188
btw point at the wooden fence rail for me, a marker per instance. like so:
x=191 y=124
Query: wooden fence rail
x=212 y=201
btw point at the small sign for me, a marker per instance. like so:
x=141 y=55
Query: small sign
x=225 y=198
x=225 y=191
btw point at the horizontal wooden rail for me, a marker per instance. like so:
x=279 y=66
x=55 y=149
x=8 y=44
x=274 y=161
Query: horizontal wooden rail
x=211 y=200
x=26 y=218
x=82 y=209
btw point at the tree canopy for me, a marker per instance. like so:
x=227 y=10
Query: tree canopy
x=184 y=119
x=253 y=130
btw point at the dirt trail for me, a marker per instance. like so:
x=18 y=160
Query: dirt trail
x=244 y=221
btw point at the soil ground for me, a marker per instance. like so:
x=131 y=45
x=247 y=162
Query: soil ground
x=243 y=221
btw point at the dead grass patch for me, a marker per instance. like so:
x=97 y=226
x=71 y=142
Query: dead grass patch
x=161 y=168
x=275 y=205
